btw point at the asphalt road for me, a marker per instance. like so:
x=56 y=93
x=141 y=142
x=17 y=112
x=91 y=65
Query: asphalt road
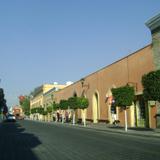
x=28 y=140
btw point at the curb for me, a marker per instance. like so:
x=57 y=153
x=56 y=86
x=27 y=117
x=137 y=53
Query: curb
x=153 y=134
x=157 y=130
x=129 y=132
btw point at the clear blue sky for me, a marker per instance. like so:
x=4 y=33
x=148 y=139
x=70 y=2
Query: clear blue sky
x=43 y=41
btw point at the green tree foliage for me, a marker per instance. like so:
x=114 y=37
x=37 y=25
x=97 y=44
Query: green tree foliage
x=63 y=104
x=25 y=104
x=3 y=104
x=44 y=112
x=40 y=110
x=151 y=85
x=21 y=99
x=1 y=98
x=82 y=102
x=73 y=103
x=33 y=110
x=49 y=109
x=55 y=106
x=123 y=96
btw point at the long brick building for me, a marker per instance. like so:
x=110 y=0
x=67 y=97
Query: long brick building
x=128 y=70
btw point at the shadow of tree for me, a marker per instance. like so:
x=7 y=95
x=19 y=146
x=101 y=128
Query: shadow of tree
x=15 y=144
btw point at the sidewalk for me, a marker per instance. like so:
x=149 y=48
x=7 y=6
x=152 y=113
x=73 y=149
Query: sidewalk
x=144 y=132
x=131 y=131
x=116 y=129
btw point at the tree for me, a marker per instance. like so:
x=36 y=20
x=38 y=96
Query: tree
x=1 y=98
x=124 y=97
x=40 y=110
x=44 y=113
x=21 y=99
x=55 y=106
x=73 y=104
x=63 y=106
x=3 y=105
x=83 y=103
x=49 y=111
x=25 y=104
x=151 y=85
x=33 y=110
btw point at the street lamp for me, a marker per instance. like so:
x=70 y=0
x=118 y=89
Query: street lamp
x=85 y=87
x=83 y=83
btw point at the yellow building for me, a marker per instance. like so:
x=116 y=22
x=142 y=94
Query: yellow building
x=48 y=97
x=42 y=96
x=37 y=95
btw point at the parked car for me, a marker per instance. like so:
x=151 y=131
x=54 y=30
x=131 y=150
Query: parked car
x=10 y=118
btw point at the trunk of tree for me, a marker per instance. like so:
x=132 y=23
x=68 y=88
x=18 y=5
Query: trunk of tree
x=74 y=116
x=84 y=118
x=125 y=114
x=63 y=116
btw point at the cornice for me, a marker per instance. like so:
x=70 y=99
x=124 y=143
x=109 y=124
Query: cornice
x=153 y=23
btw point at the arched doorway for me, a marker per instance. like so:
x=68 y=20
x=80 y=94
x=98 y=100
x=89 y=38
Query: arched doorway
x=95 y=107
x=74 y=94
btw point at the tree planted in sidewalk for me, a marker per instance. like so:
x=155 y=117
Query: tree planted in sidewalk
x=55 y=106
x=33 y=110
x=40 y=110
x=49 y=109
x=63 y=106
x=73 y=104
x=83 y=103
x=124 y=97
x=49 y=112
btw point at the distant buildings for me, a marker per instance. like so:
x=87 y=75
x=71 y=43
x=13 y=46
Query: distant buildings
x=43 y=96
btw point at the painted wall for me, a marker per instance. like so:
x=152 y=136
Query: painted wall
x=129 y=69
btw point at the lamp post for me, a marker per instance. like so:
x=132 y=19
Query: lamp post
x=83 y=83
x=86 y=87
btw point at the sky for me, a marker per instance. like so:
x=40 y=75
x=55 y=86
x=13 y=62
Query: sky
x=46 y=41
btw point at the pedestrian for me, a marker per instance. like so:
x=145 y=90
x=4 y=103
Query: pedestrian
x=58 y=116
x=66 y=116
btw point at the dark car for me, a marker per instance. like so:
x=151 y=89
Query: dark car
x=10 y=118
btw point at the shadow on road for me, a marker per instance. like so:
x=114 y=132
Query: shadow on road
x=15 y=144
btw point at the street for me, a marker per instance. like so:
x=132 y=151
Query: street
x=29 y=140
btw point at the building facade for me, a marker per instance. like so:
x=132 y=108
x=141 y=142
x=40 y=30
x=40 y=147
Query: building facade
x=43 y=96
x=128 y=70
